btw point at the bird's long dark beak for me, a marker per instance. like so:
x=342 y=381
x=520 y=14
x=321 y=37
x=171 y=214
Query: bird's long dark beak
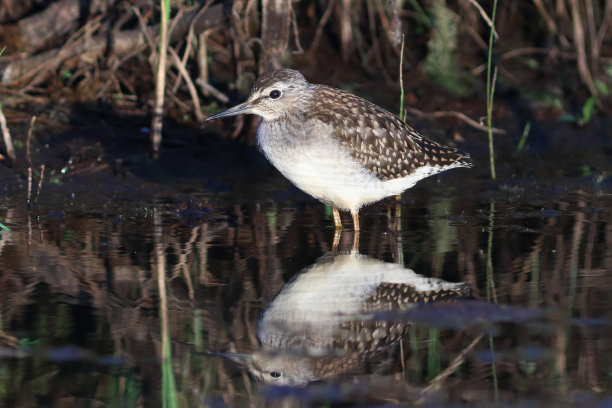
x=236 y=110
x=241 y=359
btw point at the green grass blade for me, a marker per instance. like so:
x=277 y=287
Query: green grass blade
x=521 y=142
x=490 y=91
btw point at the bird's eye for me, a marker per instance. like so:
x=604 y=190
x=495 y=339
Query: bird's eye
x=275 y=374
x=275 y=94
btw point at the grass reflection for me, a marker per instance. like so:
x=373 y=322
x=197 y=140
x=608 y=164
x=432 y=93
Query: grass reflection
x=168 y=391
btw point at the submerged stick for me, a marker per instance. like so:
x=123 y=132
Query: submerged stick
x=437 y=381
x=40 y=181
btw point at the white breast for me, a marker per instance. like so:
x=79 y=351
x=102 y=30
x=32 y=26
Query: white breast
x=321 y=167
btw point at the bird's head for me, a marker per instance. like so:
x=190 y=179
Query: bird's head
x=274 y=95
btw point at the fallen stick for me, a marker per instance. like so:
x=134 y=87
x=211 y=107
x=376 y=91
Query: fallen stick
x=454 y=114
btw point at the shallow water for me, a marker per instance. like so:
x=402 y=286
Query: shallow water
x=135 y=287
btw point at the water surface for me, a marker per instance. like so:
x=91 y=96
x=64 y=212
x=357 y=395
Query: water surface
x=124 y=277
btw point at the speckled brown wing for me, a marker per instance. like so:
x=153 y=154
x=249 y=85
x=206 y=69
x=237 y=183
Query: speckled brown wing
x=379 y=140
x=398 y=296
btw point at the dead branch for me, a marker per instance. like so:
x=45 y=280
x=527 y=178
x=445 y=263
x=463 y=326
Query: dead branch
x=25 y=69
x=454 y=114
x=119 y=44
x=56 y=20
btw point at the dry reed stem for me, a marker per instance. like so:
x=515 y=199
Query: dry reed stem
x=276 y=27
x=605 y=24
x=160 y=82
x=202 y=59
x=346 y=29
x=580 y=45
x=375 y=42
x=28 y=157
x=592 y=32
x=550 y=22
x=190 y=86
x=201 y=51
x=8 y=141
x=188 y=41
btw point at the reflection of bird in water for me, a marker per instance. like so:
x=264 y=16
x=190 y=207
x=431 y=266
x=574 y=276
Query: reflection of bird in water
x=320 y=323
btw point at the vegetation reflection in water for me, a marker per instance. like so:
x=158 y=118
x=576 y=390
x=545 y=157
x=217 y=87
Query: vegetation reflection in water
x=82 y=313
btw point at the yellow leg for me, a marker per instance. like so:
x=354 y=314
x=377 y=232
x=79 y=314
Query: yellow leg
x=337 y=220
x=356 y=241
x=356 y=221
x=337 y=236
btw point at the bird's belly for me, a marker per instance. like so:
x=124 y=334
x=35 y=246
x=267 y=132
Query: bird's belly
x=328 y=173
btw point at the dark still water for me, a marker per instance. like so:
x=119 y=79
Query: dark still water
x=227 y=290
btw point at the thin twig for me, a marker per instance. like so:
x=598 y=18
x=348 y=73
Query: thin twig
x=28 y=157
x=40 y=181
x=144 y=28
x=317 y=37
x=525 y=51
x=454 y=114
x=208 y=88
x=296 y=32
x=484 y=16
